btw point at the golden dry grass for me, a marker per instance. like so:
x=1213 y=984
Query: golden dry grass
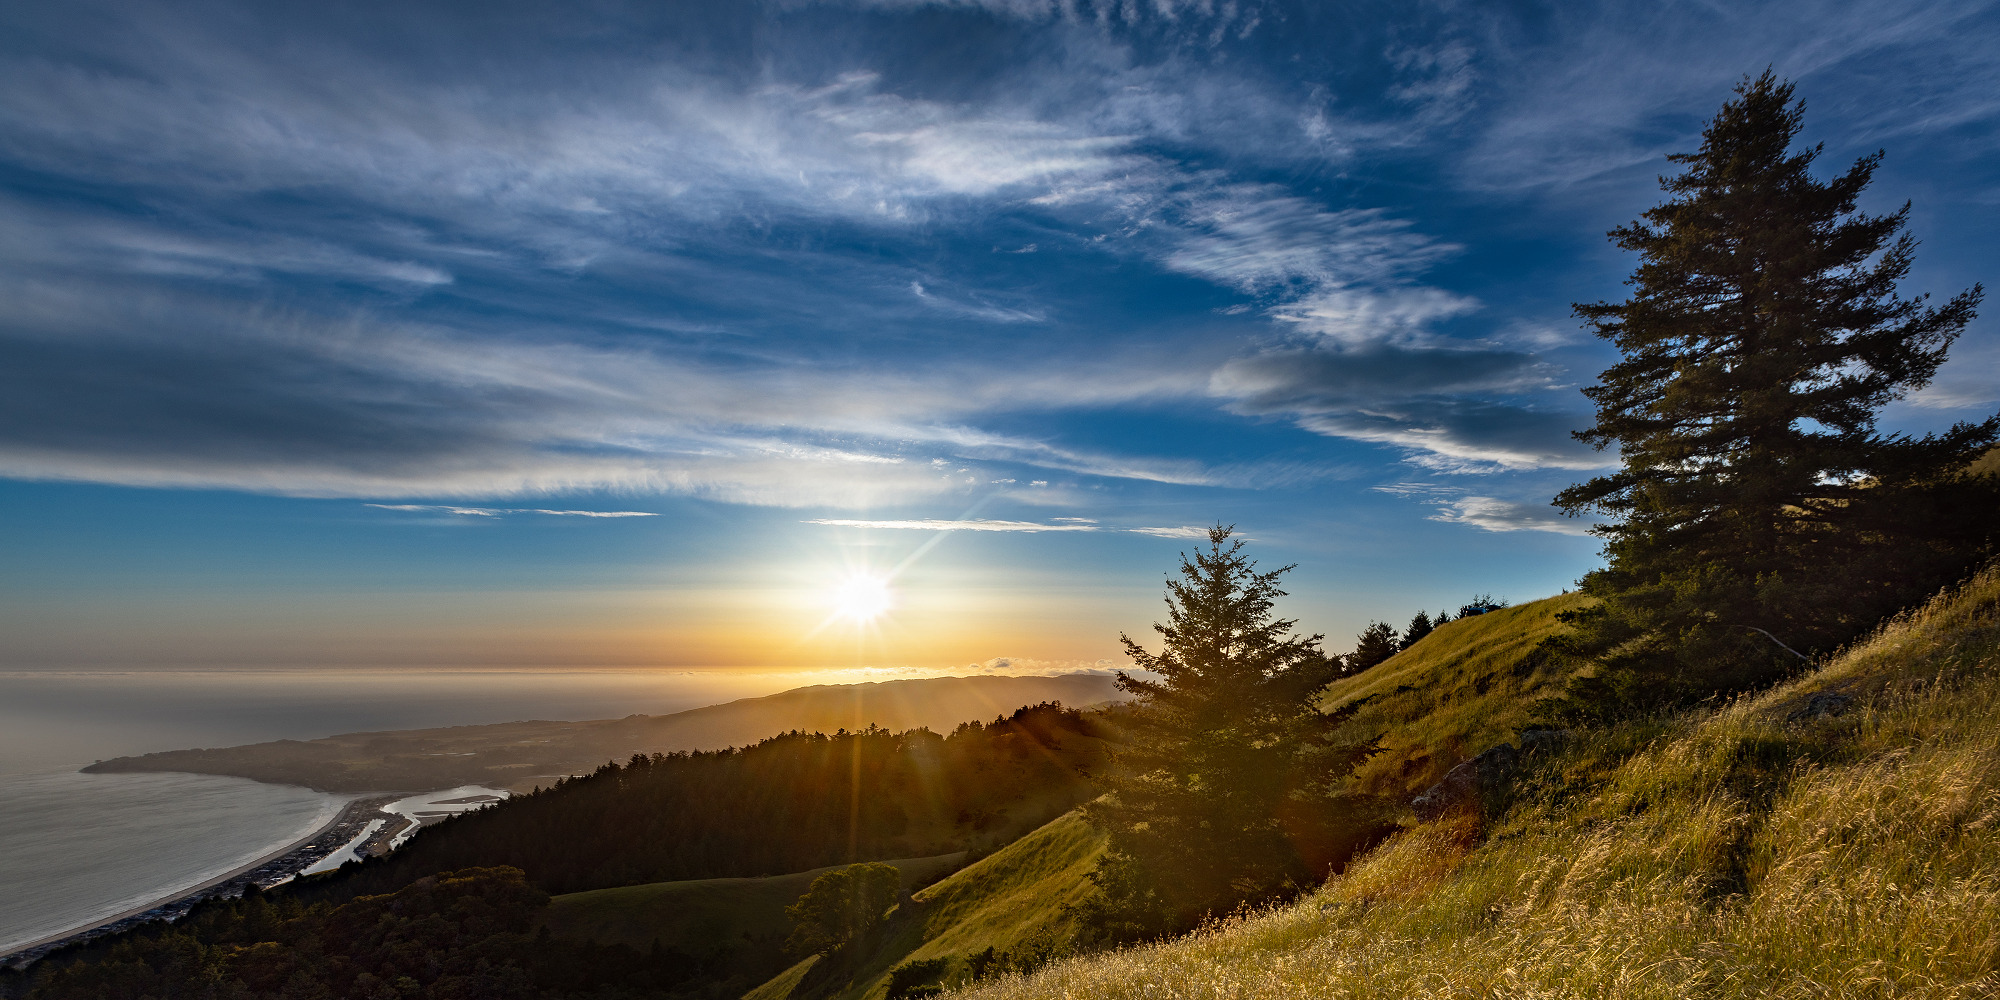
x=1729 y=853
x=1463 y=688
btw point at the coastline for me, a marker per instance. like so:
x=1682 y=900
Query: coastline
x=355 y=812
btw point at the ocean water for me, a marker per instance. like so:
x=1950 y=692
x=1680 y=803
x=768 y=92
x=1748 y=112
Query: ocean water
x=76 y=848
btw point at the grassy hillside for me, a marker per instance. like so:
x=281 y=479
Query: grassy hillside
x=745 y=916
x=1755 y=850
x=1465 y=687
x=1013 y=901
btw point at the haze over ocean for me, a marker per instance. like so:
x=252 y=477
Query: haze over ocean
x=79 y=847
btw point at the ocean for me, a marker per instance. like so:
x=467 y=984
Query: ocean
x=77 y=848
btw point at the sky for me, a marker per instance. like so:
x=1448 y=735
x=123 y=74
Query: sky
x=607 y=334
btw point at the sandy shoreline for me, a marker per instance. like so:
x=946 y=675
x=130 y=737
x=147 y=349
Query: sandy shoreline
x=343 y=814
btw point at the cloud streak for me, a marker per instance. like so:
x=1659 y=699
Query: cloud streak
x=425 y=508
x=982 y=524
x=1454 y=505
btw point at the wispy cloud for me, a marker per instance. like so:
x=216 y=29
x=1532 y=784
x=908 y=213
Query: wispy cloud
x=425 y=508
x=980 y=524
x=772 y=277
x=1447 y=407
x=1034 y=667
x=938 y=524
x=1454 y=505
x=1493 y=514
x=976 y=310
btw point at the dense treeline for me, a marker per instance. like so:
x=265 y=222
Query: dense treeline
x=789 y=803
x=453 y=935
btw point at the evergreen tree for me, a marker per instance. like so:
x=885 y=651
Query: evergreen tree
x=1758 y=510
x=1420 y=626
x=1376 y=643
x=1228 y=790
x=841 y=906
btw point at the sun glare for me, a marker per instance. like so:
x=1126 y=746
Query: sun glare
x=862 y=598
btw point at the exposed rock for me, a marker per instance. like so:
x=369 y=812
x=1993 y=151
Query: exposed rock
x=1463 y=785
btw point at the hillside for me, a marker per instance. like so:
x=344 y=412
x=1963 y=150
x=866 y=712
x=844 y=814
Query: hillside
x=1015 y=901
x=521 y=755
x=1789 y=844
x=1467 y=686
x=740 y=920
x=789 y=803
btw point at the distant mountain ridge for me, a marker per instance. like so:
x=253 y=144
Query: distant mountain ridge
x=519 y=755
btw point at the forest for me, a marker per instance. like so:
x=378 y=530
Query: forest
x=788 y=803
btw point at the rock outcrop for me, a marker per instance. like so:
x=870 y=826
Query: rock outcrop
x=1463 y=786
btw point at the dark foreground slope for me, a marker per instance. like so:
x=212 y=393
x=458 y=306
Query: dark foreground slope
x=520 y=755
x=1784 y=845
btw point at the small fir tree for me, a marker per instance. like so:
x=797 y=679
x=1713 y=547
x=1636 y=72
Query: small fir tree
x=1376 y=643
x=1755 y=499
x=1420 y=626
x=1229 y=788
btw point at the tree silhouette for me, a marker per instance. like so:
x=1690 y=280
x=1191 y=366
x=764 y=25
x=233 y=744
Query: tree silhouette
x=1755 y=499
x=841 y=906
x=1228 y=790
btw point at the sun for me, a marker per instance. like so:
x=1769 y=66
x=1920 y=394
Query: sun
x=862 y=598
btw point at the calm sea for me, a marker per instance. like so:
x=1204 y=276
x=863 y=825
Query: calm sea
x=76 y=848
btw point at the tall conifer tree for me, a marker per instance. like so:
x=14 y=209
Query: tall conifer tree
x=1759 y=512
x=1229 y=789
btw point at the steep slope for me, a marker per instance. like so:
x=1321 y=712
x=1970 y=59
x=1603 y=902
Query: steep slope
x=1789 y=844
x=520 y=755
x=1017 y=901
x=1465 y=687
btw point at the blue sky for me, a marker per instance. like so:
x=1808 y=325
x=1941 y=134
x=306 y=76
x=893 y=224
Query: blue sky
x=326 y=328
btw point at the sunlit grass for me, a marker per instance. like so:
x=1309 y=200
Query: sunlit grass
x=1727 y=853
x=1463 y=688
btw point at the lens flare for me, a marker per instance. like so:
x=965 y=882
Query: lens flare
x=862 y=598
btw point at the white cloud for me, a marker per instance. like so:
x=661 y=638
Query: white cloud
x=976 y=310
x=1491 y=514
x=936 y=524
x=1256 y=237
x=1184 y=531
x=1020 y=666
x=501 y=511
x=980 y=524
x=1361 y=317
x=1455 y=505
